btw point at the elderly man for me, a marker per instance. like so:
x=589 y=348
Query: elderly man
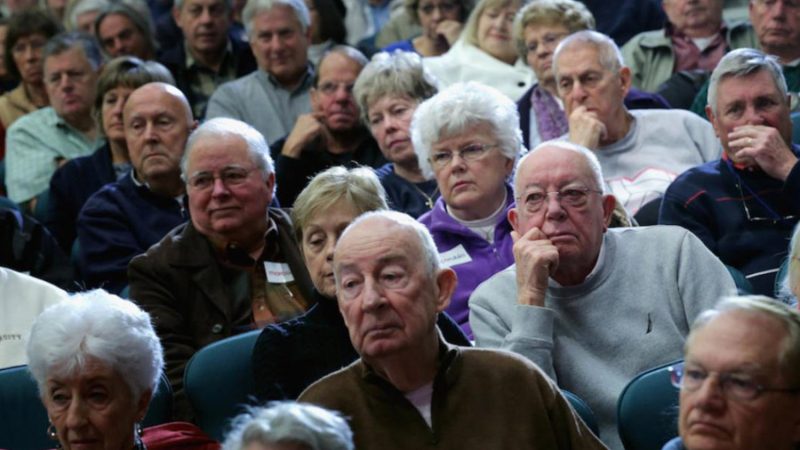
x=640 y=151
x=332 y=134
x=122 y=30
x=390 y=289
x=591 y=306
x=740 y=382
x=272 y=98
x=124 y=218
x=39 y=142
x=695 y=37
x=744 y=205
x=207 y=56
x=235 y=266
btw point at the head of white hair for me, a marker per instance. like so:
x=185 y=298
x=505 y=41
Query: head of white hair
x=743 y=62
x=256 y=7
x=608 y=53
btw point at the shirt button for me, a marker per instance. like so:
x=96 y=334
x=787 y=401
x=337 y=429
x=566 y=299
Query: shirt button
x=217 y=328
x=521 y=84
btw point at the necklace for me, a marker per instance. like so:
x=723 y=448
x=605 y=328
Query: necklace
x=428 y=198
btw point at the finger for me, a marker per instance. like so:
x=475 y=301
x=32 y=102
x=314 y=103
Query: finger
x=514 y=236
x=534 y=234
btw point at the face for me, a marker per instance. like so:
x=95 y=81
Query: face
x=494 y=32
x=472 y=189
x=113 y=105
x=204 y=24
x=389 y=121
x=387 y=300
x=742 y=344
x=333 y=95
x=433 y=12
x=582 y=81
x=683 y=14
x=157 y=124
x=319 y=237
x=229 y=212
x=777 y=24
x=85 y=21
x=120 y=37
x=541 y=41
x=27 y=55
x=577 y=232
x=313 y=27
x=279 y=44
x=70 y=83
x=749 y=100
x=94 y=409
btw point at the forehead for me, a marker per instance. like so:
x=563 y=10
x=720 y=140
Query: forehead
x=579 y=57
x=535 y=30
x=113 y=22
x=374 y=240
x=213 y=152
x=336 y=66
x=739 y=88
x=150 y=102
x=92 y=369
x=71 y=59
x=202 y=3
x=275 y=18
x=556 y=166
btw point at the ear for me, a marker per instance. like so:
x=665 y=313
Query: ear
x=271 y=183
x=713 y=119
x=513 y=219
x=625 y=80
x=609 y=203
x=314 y=99
x=142 y=404
x=446 y=280
x=176 y=15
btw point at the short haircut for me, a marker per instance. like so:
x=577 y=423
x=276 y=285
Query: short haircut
x=790 y=284
x=129 y=72
x=588 y=155
x=743 y=62
x=459 y=108
x=398 y=74
x=141 y=20
x=290 y=422
x=77 y=7
x=256 y=7
x=178 y=4
x=359 y=187
x=411 y=7
x=347 y=51
x=608 y=53
x=574 y=16
x=789 y=356
x=23 y=24
x=470 y=32
x=64 y=42
x=221 y=127
x=101 y=326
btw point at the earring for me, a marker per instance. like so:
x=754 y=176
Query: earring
x=52 y=433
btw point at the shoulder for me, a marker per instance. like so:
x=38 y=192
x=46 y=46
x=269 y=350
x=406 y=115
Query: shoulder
x=335 y=388
x=237 y=86
x=40 y=118
x=648 y=40
x=501 y=365
x=497 y=289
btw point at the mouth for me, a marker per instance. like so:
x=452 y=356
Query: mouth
x=380 y=331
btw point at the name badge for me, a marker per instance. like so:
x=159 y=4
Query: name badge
x=455 y=256
x=278 y=272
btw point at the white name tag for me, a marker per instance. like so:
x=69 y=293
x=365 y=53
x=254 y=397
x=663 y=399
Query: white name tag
x=278 y=272
x=455 y=256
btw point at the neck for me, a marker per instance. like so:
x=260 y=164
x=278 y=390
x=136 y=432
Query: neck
x=617 y=128
x=549 y=85
x=341 y=142
x=253 y=242
x=785 y=54
x=37 y=94
x=412 y=368
x=166 y=185
x=83 y=123
x=482 y=212
x=430 y=47
x=574 y=274
x=119 y=152
x=409 y=172
x=291 y=83
x=211 y=59
x=702 y=30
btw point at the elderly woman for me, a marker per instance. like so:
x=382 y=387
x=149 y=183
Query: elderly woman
x=291 y=355
x=97 y=361
x=123 y=30
x=74 y=182
x=388 y=91
x=289 y=426
x=441 y=22
x=471 y=154
x=28 y=31
x=485 y=52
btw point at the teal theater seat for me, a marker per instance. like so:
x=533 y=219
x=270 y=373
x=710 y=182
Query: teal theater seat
x=647 y=410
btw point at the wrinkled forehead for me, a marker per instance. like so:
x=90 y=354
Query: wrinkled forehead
x=72 y=58
x=554 y=166
x=372 y=240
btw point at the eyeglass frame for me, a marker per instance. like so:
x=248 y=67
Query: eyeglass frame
x=724 y=379
x=481 y=153
x=560 y=194
x=220 y=175
x=741 y=186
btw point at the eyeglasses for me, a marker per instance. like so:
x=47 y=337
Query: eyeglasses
x=231 y=176
x=774 y=218
x=444 y=8
x=472 y=152
x=787 y=3
x=330 y=87
x=575 y=197
x=735 y=386
x=549 y=40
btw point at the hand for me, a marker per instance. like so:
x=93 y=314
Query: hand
x=306 y=129
x=537 y=259
x=450 y=30
x=762 y=146
x=585 y=128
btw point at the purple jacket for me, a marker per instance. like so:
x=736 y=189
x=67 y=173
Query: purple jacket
x=486 y=259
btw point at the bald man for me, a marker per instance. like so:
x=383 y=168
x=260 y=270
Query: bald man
x=125 y=218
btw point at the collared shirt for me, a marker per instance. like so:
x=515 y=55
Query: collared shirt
x=203 y=81
x=689 y=56
x=36 y=144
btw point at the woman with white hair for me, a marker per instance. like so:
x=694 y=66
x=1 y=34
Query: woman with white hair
x=97 y=361
x=289 y=426
x=468 y=138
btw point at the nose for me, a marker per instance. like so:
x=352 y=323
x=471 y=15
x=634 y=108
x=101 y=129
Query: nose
x=219 y=188
x=753 y=117
x=436 y=15
x=30 y=53
x=76 y=414
x=709 y=395
x=373 y=296
x=206 y=16
x=342 y=93
x=554 y=209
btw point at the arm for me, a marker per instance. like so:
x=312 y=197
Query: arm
x=702 y=278
x=684 y=205
x=30 y=163
x=224 y=103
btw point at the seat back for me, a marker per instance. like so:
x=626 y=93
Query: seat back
x=583 y=410
x=23 y=419
x=647 y=410
x=218 y=381
x=743 y=285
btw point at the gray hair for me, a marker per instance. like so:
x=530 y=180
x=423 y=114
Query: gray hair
x=359 y=186
x=220 y=127
x=78 y=7
x=591 y=160
x=64 y=42
x=399 y=74
x=141 y=20
x=459 y=108
x=290 y=422
x=741 y=63
x=256 y=7
x=470 y=32
x=96 y=325
x=789 y=356
x=347 y=51
x=575 y=16
x=608 y=54
x=789 y=283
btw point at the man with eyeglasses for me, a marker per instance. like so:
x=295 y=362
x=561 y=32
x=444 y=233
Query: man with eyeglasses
x=740 y=382
x=235 y=266
x=332 y=134
x=592 y=306
x=744 y=205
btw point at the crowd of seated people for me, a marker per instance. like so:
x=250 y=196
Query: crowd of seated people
x=589 y=179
